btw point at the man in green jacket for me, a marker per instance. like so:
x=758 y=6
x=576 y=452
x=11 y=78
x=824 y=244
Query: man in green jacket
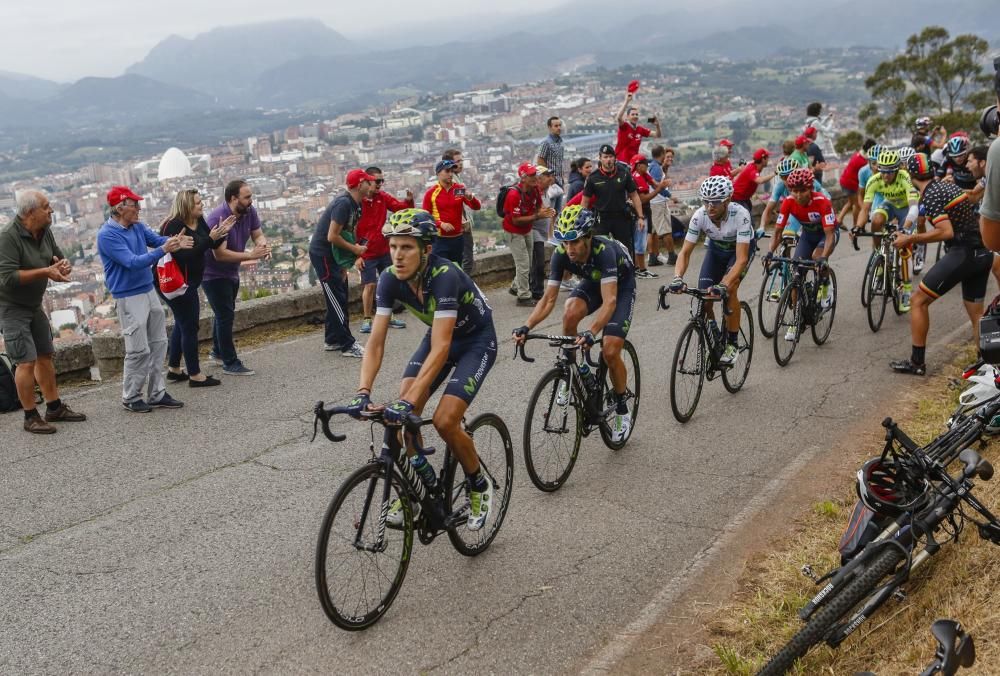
x=29 y=258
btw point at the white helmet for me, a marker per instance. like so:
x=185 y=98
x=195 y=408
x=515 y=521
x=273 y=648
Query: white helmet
x=982 y=389
x=716 y=188
x=905 y=153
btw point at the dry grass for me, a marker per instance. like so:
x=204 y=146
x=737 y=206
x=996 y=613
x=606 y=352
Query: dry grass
x=957 y=583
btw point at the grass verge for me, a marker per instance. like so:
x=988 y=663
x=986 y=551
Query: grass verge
x=957 y=583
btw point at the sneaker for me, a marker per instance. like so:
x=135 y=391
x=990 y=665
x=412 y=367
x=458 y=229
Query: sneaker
x=237 y=369
x=209 y=381
x=775 y=292
x=641 y=274
x=918 y=258
x=512 y=291
x=654 y=261
x=366 y=325
x=64 y=414
x=397 y=324
x=527 y=301
x=621 y=425
x=177 y=377
x=215 y=359
x=791 y=334
x=824 y=296
x=394 y=519
x=729 y=354
x=562 y=393
x=36 y=425
x=355 y=351
x=907 y=366
x=137 y=406
x=672 y=258
x=479 y=506
x=166 y=401
x=331 y=348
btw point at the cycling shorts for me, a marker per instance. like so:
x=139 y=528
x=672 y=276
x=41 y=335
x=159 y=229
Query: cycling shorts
x=962 y=264
x=810 y=240
x=718 y=262
x=469 y=360
x=892 y=213
x=621 y=319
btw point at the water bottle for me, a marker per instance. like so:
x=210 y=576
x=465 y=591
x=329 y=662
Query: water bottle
x=589 y=382
x=425 y=470
x=714 y=335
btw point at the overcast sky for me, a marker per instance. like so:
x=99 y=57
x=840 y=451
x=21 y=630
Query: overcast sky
x=65 y=40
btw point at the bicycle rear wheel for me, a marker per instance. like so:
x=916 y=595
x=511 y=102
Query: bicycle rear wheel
x=632 y=385
x=789 y=316
x=767 y=302
x=836 y=607
x=823 y=323
x=552 y=432
x=496 y=457
x=688 y=375
x=357 y=577
x=875 y=280
x=734 y=376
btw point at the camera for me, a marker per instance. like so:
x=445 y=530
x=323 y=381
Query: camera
x=651 y=120
x=989 y=122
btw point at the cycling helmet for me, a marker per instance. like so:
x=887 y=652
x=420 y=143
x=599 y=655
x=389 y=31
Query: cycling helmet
x=905 y=153
x=958 y=145
x=574 y=222
x=923 y=122
x=873 y=152
x=919 y=167
x=413 y=223
x=716 y=189
x=891 y=486
x=787 y=166
x=888 y=159
x=800 y=178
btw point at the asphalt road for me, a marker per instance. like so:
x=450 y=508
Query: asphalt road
x=183 y=541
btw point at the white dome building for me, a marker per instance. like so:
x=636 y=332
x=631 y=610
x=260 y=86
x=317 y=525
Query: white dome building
x=173 y=164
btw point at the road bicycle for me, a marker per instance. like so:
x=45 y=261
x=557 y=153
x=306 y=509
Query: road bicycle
x=883 y=279
x=776 y=278
x=568 y=403
x=361 y=559
x=801 y=306
x=699 y=348
x=919 y=511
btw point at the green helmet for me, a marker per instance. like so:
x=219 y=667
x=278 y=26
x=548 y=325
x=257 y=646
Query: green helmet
x=888 y=159
x=574 y=222
x=412 y=223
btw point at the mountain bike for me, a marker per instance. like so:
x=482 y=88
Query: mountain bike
x=883 y=276
x=800 y=306
x=699 y=348
x=361 y=560
x=925 y=510
x=569 y=403
x=776 y=278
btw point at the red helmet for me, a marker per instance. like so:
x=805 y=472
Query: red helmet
x=800 y=178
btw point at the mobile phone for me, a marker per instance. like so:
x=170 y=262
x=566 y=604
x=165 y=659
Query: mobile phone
x=651 y=119
x=362 y=242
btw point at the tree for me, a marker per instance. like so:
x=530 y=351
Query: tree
x=848 y=142
x=934 y=76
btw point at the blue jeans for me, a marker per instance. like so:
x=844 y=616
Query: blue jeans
x=221 y=295
x=184 y=336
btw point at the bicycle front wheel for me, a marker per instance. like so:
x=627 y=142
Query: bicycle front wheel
x=824 y=315
x=836 y=607
x=789 y=318
x=632 y=384
x=767 y=302
x=735 y=375
x=688 y=375
x=875 y=281
x=360 y=564
x=496 y=458
x=897 y=285
x=866 y=289
x=553 y=428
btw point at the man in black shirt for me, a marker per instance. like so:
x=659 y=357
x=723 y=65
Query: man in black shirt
x=816 y=160
x=609 y=192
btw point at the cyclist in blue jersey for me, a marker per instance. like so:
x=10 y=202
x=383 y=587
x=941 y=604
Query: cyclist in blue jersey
x=606 y=290
x=460 y=341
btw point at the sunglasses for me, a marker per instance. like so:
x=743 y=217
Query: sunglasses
x=379 y=181
x=888 y=171
x=713 y=203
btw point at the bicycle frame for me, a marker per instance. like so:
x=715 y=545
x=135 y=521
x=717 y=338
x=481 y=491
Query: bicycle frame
x=699 y=316
x=788 y=243
x=894 y=258
x=807 y=288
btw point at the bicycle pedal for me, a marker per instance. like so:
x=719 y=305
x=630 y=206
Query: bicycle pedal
x=807 y=570
x=899 y=595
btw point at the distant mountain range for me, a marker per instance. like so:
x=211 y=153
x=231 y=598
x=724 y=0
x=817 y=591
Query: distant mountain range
x=304 y=64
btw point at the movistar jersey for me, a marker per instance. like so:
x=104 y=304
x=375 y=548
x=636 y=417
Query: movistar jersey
x=609 y=261
x=447 y=292
x=900 y=193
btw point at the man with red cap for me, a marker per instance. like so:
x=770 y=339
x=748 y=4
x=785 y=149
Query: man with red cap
x=749 y=178
x=128 y=249
x=333 y=249
x=799 y=155
x=522 y=206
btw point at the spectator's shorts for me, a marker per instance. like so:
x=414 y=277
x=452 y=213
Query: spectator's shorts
x=373 y=268
x=661 y=218
x=26 y=333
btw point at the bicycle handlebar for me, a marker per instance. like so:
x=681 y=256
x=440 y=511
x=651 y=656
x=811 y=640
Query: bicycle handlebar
x=323 y=414
x=565 y=342
x=701 y=294
x=855 y=232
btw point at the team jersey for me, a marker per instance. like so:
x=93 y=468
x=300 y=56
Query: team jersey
x=816 y=215
x=943 y=200
x=609 y=261
x=448 y=292
x=864 y=174
x=900 y=193
x=735 y=229
x=780 y=190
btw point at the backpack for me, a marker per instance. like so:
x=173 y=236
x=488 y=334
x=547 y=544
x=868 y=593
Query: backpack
x=8 y=391
x=502 y=198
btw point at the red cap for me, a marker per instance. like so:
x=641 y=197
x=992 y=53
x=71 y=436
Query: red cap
x=726 y=142
x=633 y=86
x=526 y=169
x=810 y=132
x=356 y=176
x=760 y=154
x=119 y=193
x=801 y=141
x=636 y=159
